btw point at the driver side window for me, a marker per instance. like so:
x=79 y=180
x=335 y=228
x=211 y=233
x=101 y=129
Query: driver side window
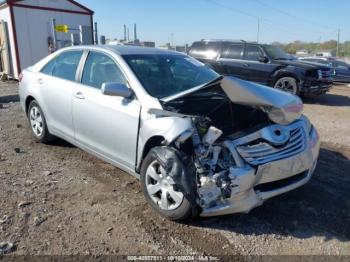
x=99 y=69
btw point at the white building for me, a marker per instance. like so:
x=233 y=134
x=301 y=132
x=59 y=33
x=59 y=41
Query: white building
x=26 y=30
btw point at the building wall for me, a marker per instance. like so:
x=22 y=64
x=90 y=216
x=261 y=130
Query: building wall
x=33 y=29
x=5 y=15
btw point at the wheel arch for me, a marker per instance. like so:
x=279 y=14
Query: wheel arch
x=282 y=73
x=152 y=142
x=28 y=100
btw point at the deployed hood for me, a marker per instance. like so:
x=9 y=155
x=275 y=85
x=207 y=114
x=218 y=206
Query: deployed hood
x=282 y=108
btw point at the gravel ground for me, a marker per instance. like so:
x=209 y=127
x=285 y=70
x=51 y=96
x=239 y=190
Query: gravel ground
x=58 y=200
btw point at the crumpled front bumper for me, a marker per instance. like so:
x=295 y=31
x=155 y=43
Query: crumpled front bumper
x=312 y=88
x=251 y=186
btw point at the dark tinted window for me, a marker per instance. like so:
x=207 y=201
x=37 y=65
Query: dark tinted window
x=64 y=66
x=99 y=69
x=234 y=52
x=167 y=75
x=205 y=50
x=253 y=53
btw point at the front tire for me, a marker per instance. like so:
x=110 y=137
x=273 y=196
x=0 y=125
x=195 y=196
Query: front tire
x=161 y=187
x=38 y=124
x=288 y=84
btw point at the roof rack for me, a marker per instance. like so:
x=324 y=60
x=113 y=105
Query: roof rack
x=222 y=40
x=227 y=40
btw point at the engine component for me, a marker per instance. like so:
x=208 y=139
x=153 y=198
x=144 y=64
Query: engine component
x=212 y=135
x=209 y=192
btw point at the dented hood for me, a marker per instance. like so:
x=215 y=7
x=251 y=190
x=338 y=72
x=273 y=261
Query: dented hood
x=281 y=107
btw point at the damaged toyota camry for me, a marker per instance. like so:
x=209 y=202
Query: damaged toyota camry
x=201 y=144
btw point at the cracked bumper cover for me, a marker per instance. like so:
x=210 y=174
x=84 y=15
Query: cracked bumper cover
x=313 y=87
x=254 y=185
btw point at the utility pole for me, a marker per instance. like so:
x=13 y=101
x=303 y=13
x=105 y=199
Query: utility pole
x=54 y=34
x=258 y=34
x=338 y=43
x=96 y=34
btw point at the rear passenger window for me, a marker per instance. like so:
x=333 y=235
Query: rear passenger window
x=47 y=70
x=204 y=50
x=233 y=52
x=64 y=66
x=99 y=69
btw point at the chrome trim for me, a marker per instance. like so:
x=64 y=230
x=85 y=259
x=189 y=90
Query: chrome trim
x=263 y=150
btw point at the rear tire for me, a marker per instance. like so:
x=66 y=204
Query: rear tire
x=288 y=84
x=38 y=124
x=160 y=189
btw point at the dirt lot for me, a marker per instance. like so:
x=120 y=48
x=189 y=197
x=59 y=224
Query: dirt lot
x=56 y=199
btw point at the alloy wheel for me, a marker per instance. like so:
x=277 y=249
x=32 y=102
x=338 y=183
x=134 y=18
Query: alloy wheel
x=160 y=188
x=288 y=85
x=36 y=121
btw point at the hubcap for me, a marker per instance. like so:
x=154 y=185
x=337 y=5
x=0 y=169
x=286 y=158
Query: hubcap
x=36 y=121
x=286 y=85
x=160 y=187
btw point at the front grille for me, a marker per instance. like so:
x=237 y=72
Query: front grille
x=260 y=152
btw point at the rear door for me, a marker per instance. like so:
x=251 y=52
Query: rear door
x=254 y=70
x=106 y=125
x=55 y=84
x=231 y=60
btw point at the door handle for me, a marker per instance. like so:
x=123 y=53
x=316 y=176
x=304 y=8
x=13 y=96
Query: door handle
x=40 y=81
x=79 y=95
x=246 y=65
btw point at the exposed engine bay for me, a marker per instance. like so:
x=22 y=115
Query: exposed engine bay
x=236 y=140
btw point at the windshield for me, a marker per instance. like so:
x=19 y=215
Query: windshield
x=275 y=52
x=168 y=75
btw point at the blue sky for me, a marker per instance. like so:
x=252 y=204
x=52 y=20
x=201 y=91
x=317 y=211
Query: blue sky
x=190 y=20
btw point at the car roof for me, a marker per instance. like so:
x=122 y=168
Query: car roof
x=225 y=41
x=127 y=50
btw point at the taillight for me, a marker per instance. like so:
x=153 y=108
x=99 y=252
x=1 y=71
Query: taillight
x=20 y=77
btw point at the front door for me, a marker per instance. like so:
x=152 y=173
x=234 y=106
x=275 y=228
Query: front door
x=255 y=70
x=107 y=125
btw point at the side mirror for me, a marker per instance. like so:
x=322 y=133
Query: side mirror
x=116 y=89
x=263 y=59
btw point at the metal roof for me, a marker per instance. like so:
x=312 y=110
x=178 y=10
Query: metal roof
x=9 y=2
x=228 y=41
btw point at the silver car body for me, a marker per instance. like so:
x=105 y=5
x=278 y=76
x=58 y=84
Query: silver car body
x=120 y=132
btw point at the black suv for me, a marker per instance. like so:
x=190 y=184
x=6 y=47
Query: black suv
x=265 y=64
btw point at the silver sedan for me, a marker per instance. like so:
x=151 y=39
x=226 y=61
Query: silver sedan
x=201 y=144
